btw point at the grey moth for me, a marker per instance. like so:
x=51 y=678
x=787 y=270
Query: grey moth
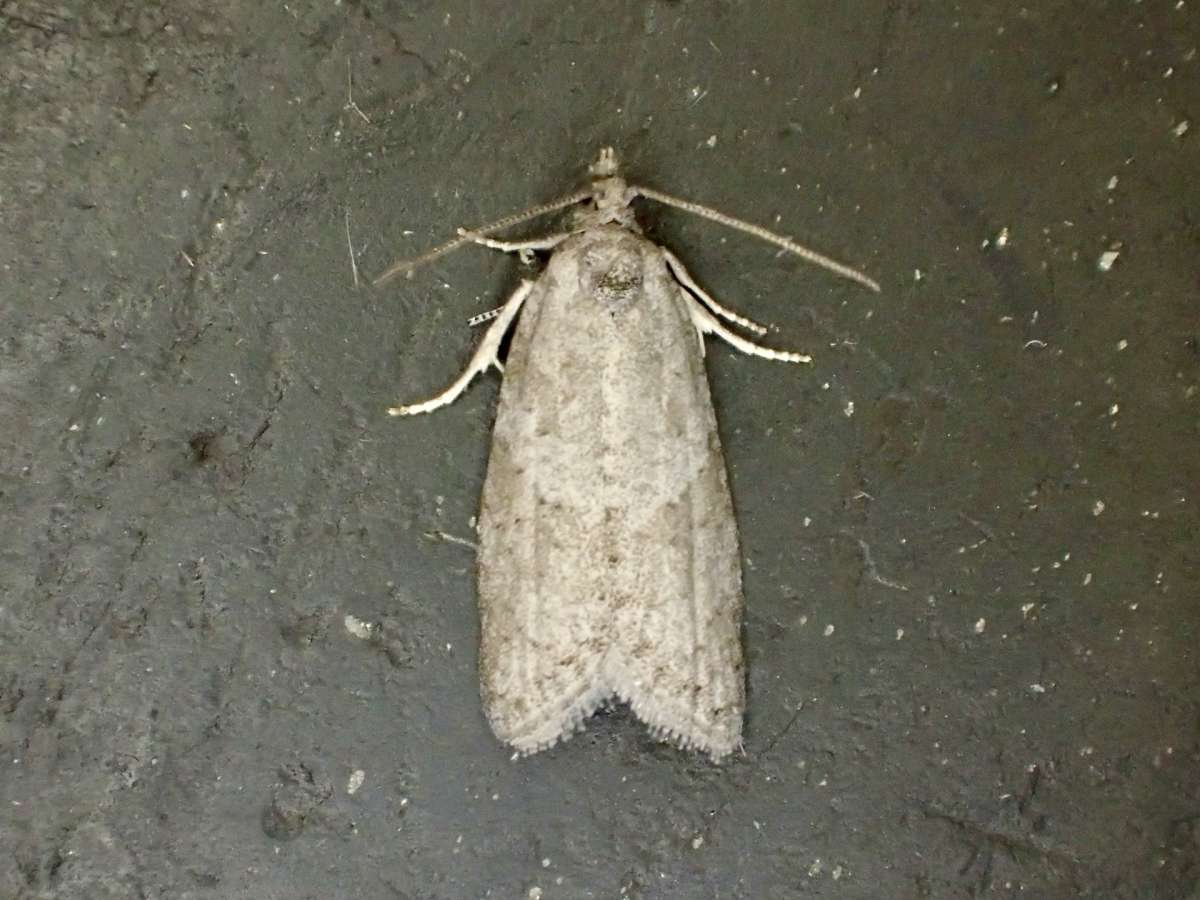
x=608 y=558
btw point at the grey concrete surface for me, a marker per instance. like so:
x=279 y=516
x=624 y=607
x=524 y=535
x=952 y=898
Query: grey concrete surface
x=969 y=528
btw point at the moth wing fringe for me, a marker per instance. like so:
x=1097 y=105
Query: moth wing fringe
x=564 y=723
x=559 y=725
x=667 y=725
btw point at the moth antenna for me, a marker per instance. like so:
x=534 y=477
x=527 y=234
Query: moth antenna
x=407 y=265
x=758 y=231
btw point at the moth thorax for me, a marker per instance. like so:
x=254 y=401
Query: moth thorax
x=619 y=284
x=609 y=204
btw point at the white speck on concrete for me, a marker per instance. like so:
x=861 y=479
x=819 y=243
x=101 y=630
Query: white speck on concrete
x=357 y=627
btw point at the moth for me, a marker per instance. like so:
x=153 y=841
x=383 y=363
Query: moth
x=608 y=558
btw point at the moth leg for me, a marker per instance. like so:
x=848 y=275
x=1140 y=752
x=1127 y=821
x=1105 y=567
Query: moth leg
x=523 y=248
x=480 y=318
x=485 y=355
x=686 y=280
x=706 y=323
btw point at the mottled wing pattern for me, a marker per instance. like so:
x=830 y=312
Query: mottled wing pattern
x=608 y=550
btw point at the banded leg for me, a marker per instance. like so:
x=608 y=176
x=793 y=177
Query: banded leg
x=686 y=280
x=706 y=323
x=485 y=355
x=524 y=249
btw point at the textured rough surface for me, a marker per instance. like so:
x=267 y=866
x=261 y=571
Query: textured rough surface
x=968 y=530
x=608 y=556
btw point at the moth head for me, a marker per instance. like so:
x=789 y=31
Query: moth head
x=610 y=198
